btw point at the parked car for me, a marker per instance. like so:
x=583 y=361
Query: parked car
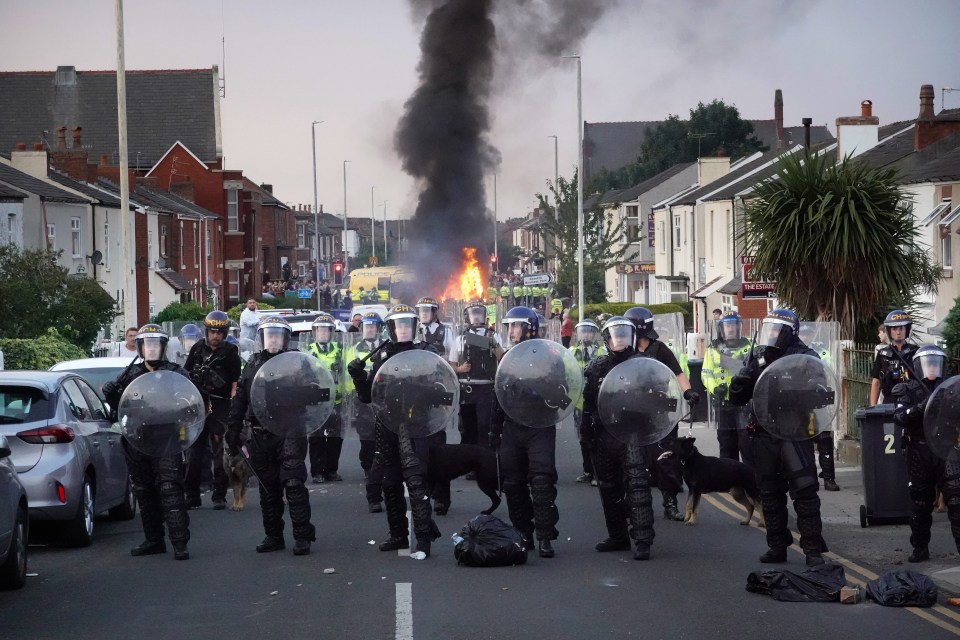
x=95 y=371
x=14 y=523
x=67 y=452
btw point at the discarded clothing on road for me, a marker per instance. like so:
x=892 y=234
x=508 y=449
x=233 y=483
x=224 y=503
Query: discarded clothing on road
x=821 y=583
x=488 y=541
x=903 y=588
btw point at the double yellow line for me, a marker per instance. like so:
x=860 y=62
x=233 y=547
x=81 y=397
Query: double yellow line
x=855 y=574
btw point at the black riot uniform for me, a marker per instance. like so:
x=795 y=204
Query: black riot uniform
x=782 y=465
x=364 y=422
x=214 y=371
x=622 y=470
x=478 y=346
x=279 y=463
x=889 y=367
x=398 y=465
x=927 y=471
x=157 y=482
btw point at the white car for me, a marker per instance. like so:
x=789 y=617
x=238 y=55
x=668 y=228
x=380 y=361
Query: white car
x=95 y=371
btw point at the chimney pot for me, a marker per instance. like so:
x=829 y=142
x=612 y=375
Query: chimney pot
x=61 y=138
x=76 y=137
x=21 y=146
x=104 y=160
x=38 y=146
x=866 y=108
x=926 y=102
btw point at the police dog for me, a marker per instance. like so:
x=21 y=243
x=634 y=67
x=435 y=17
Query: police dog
x=707 y=474
x=450 y=461
x=238 y=473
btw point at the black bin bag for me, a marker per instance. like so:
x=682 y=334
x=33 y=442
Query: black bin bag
x=488 y=541
x=821 y=583
x=903 y=589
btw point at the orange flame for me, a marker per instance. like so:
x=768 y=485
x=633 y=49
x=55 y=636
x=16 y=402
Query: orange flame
x=468 y=283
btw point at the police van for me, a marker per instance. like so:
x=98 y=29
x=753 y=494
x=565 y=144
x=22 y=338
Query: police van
x=392 y=284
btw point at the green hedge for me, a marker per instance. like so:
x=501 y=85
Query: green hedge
x=184 y=312
x=619 y=308
x=39 y=353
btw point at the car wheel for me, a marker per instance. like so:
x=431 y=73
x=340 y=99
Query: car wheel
x=13 y=572
x=127 y=509
x=79 y=531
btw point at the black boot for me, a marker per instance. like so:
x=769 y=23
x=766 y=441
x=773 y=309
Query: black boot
x=919 y=554
x=301 y=547
x=829 y=484
x=393 y=543
x=774 y=555
x=180 y=551
x=375 y=507
x=670 y=510
x=441 y=508
x=546 y=549
x=641 y=552
x=423 y=546
x=149 y=548
x=814 y=559
x=613 y=544
x=271 y=543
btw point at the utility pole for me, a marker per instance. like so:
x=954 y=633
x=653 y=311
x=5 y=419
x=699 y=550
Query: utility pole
x=126 y=218
x=346 y=253
x=496 y=255
x=386 y=248
x=373 y=228
x=316 y=209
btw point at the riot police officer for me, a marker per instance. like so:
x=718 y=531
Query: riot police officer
x=189 y=336
x=474 y=357
x=823 y=441
x=326 y=443
x=723 y=359
x=399 y=467
x=432 y=331
x=214 y=366
x=585 y=349
x=782 y=465
x=277 y=460
x=527 y=457
x=927 y=471
x=364 y=417
x=623 y=476
x=664 y=472
x=157 y=482
x=892 y=362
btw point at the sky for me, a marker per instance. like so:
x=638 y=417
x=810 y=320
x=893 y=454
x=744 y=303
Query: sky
x=352 y=64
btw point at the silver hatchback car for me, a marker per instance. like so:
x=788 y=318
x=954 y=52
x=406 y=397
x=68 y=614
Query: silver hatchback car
x=67 y=452
x=14 y=523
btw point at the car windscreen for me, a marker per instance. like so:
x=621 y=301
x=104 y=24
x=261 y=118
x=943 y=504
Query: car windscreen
x=95 y=377
x=22 y=404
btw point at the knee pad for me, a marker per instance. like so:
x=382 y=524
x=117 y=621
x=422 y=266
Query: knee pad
x=292 y=483
x=168 y=488
x=541 y=481
x=513 y=486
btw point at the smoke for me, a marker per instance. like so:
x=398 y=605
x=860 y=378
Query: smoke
x=442 y=137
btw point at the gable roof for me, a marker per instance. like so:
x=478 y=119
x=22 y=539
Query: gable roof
x=8 y=194
x=769 y=166
x=938 y=162
x=47 y=192
x=100 y=195
x=163 y=106
x=632 y=193
x=265 y=196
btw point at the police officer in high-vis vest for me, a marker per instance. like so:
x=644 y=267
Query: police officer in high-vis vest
x=327 y=441
x=723 y=360
x=586 y=349
x=364 y=417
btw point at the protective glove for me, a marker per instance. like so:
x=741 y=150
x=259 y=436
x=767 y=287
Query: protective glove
x=720 y=391
x=356 y=368
x=691 y=396
x=741 y=389
x=494 y=440
x=232 y=438
x=771 y=354
x=110 y=388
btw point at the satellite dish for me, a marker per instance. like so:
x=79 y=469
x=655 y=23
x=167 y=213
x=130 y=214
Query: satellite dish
x=96 y=258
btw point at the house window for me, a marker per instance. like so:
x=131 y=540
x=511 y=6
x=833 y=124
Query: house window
x=106 y=242
x=301 y=269
x=12 y=228
x=153 y=309
x=52 y=236
x=676 y=233
x=150 y=249
x=302 y=235
x=163 y=240
x=946 y=251
x=235 y=284
x=233 y=210
x=726 y=303
x=76 y=246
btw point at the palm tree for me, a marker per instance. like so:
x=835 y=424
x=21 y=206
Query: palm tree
x=839 y=239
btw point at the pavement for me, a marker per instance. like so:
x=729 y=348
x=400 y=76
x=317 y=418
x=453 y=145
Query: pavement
x=876 y=548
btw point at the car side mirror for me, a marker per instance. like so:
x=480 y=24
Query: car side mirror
x=4 y=447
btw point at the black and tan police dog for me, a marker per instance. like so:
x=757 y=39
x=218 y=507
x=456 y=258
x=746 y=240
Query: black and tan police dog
x=450 y=461
x=707 y=474
x=238 y=473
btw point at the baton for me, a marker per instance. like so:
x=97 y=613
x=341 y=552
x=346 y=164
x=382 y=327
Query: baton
x=374 y=352
x=246 y=461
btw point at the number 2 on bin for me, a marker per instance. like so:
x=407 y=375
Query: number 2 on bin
x=888 y=438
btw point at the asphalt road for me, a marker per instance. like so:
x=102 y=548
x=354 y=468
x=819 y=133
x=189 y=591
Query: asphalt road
x=693 y=587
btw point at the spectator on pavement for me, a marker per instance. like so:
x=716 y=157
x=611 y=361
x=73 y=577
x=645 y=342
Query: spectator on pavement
x=355 y=323
x=566 y=329
x=249 y=320
x=129 y=346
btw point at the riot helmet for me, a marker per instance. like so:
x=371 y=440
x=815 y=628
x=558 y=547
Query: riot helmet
x=152 y=344
x=642 y=319
x=929 y=362
x=730 y=328
x=370 y=325
x=898 y=318
x=779 y=329
x=619 y=333
x=475 y=314
x=274 y=333
x=586 y=332
x=523 y=323
x=323 y=327
x=217 y=320
x=189 y=336
x=401 y=324
x=428 y=310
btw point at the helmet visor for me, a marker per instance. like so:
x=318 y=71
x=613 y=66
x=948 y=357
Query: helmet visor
x=730 y=330
x=586 y=334
x=620 y=337
x=930 y=365
x=273 y=339
x=188 y=342
x=370 y=330
x=476 y=316
x=403 y=329
x=151 y=349
x=775 y=334
x=517 y=332
x=322 y=334
x=427 y=314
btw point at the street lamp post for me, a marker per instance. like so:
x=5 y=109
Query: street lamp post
x=496 y=254
x=579 y=184
x=346 y=252
x=316 y=211
x=373 y=227
x=385 y=246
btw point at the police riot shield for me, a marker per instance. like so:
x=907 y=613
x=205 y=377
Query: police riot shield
x=416 y=391
x=640 y=398
x=669 y=326
x=161 y=413
x=941 y=419
x=292 y=395
x=175 y=351
x=796 y=397
x=538 y=383
x=247 y=348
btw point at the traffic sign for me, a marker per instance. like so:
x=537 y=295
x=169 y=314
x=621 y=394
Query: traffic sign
x=537 y=279
x=304 y=293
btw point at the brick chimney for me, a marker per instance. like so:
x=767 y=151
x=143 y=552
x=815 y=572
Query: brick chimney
x=33 y=162
x=267 y=187
x=76 y=137
x=72 y=161
x=931 y=128
x=778 y=116
x=61 y=138
x=857 y=134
